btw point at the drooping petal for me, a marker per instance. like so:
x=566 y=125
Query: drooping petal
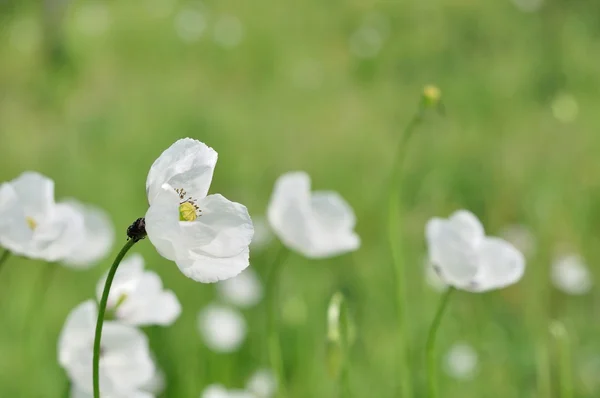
x=500 y=265
x=15 y=233
x=162 y=222
x=98 y=239
x=466 y=226
x=453 y=257
x=36 y=194
x=187 y=164
x=289 y=211
x=224 y=228
x=208 y=269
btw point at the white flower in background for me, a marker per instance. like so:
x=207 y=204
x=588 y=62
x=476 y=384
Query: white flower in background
x=77 y=393
x=521 y=237
x=571 y=275
x=262 y=233
x=223 y=329
x=38 y=227
x=156 y=385
x=467 y=259
x=190 y=24
x=218 y=391
x=318 y=224
x=137 y=297
x=461 y=361
x=244 y=290
x=229 y=31
x=125 y=362
x=98 y=236
x=262 y=384
x=433 y=279
x=208 y=237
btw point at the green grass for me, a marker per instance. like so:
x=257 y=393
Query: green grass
x=96 y=122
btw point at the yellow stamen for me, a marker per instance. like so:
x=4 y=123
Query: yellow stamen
x=31 y=222
x=187 y=212
x=432 y=94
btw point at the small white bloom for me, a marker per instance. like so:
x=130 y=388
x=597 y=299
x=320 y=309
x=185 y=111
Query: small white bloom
x=262 y=234
x=570 y=274
x=218 y=391
x=461 y=361
x=521 y=237
x=98 y=238
x=467 y=259
x=244 y=290
x=262 y=384
x=229 y=31
x=208 y=237
x=55 y=229
x=318 y=224
x=125 y=362
x=223 y=329
x=137 y=297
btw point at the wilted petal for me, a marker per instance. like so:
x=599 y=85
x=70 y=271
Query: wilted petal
x=501 y=265
x=187 y=164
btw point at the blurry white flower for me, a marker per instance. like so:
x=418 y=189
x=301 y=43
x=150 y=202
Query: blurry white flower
x=461 y=361
x=467 y=259
x=92 y=18
x=98 y=236
x=37 y=226
x=156 y=385
x=318 y=225
x=223 y=329
x=571 y=275
x=528 y=5
x=244 y=290
x=433 y=279
x=78 y=393
x=125 y=362
x=218 y=391
x=190 y=24
x=137 y=297
x=366 y=42
x=262 y=384
x=208 y=237
x=24 y=35
x=565 y=108
x=521 y=237
x=262 y=233
x=228 y=31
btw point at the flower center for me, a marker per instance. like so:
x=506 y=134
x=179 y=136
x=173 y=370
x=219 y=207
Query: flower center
x=188 y=209
x=31 y=222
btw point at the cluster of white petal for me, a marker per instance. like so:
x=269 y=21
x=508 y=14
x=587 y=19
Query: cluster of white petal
x=33 y=225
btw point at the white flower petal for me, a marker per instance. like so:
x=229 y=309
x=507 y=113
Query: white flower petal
x=162 y=222
x=187 y=164
x=215 y=391
x=461 y=361
x=125 y=282
x=501 y=265
x=208 y=269
x=453 y=257
x=223 y=329
x=244 y=290
x=15 y=233
x=59 y=235
x=467 y=226
x=98 y=238
x=36 y=193
x=262 y=384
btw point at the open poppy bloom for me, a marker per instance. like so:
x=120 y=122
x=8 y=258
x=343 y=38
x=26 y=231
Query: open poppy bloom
x=207 y=236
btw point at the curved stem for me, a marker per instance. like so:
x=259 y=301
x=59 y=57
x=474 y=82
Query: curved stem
x=101 y=311
x=4 y=257
x=274 y=346
x=431 y=365
x=394 y=241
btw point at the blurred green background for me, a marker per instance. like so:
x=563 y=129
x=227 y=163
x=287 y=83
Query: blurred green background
x=91 y=92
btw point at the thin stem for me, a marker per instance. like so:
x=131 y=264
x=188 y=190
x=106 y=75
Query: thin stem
x=102 y=310
x=394 y=241
x=4 y=257
x=274 y=346
x=560 y=334
x=431 y=359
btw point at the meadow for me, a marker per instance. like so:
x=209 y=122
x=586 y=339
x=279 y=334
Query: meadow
x=92 y=99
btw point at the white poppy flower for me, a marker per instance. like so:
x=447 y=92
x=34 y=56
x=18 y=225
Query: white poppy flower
x=98 y=238
x=125 y=362
x=208 y=237
x=461 y=361
x=223 y=329
x=262 y=384
x=467 y=259
x=570 y=274
x=318 y=224
x=56 y=229
x=244 y=290
x=218 y=391
x=433 y=279
x=137 y=297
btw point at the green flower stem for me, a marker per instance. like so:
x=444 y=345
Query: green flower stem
x=394 y=223
x=4 y=257
x=565 y=371
x=430 y=348
x=274 y=345
x=101 y=311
